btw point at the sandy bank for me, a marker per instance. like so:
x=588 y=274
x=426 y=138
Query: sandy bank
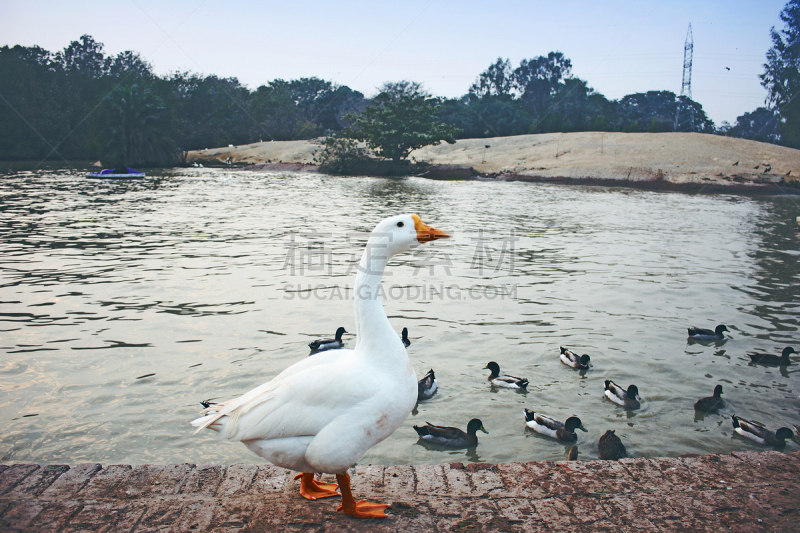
x=673 y=159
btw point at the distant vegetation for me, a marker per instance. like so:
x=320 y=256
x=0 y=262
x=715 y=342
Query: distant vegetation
x=79 y=103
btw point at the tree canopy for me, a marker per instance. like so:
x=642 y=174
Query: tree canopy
x=781 y=75
x=400 y=119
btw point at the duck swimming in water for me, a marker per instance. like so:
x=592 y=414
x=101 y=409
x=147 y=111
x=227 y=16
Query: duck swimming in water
x=610 y=447
x=760 y=434
x=509 y=382
x=629 y=399
x=772 y=360
x=710 y=403
x=328 y=344
x=570 y=358
x=549 y=426
x=450 y=436
x=707 y=334
x=404 y=338
x=427 y=386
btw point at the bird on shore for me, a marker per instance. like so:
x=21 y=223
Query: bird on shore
x=701 y=333
x=321 y=414
x=610 y=447
x=321 y=345
x=629 y=399
x=710 y=403
x=509 y=382
x=773 y=360
x=570 y=358
x=760 y=434
x=450 y=436
x=427 y=386
x=404 y=338
x=549 y=426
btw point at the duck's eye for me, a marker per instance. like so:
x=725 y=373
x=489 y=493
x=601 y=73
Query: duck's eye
x=400 y=224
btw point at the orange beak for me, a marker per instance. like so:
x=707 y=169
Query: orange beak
x=426 y=233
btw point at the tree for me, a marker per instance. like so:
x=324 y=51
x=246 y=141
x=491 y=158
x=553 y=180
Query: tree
x=781 y=75
x=399 y=120
x=760 y=125
x=497 y=80
x=132 y=132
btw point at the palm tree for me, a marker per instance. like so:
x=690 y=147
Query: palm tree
x=133 y=131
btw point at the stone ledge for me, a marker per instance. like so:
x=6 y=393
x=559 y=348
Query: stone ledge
x=743 y=491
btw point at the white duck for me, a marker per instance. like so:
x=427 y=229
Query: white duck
x=322 y=413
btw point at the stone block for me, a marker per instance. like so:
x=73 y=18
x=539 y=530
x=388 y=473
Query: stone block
x=204 y=480
x=271 y=479
x=555 y=514
x=485 y=479
x=105 y=517
x=36 y=483
x=647 y=476
x=19 y=515
x=238 y=478
x=553 y=481
x=430 y=479
x=586 y=508
x=519 y=481
x=69 y=483
x=458 y=480
x=367 y=480
x=110 y=482
x=10 y=477
x=54 y=515
x=597 y=477
x=398 y=481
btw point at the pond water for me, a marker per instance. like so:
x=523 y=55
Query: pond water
x=124 y=304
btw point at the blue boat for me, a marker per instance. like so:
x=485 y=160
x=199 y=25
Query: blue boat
x=110 y=173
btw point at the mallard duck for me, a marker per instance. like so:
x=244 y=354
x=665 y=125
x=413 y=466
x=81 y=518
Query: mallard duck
x=629 y=399
x=774 y=360
x=322 y=413
x=570 y=358
x=760 y=434
x=573 y=454
x=710 y=403
x=510 y=382
x=700 y=333
x=451 y=437
x=547 y=425
x=611 y=447
x=427 y=386
x=328 y=344
x=404 y=338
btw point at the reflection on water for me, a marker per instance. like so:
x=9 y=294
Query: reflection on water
x=124 y=304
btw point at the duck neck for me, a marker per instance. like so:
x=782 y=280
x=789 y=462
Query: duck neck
x=372 y=325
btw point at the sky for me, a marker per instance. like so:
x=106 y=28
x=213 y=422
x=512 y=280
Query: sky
x=618 y=46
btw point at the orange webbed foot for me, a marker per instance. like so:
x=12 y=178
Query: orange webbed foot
x=365 y=509
x=361 y=508
x=312 y=489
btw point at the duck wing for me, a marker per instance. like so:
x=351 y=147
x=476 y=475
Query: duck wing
x=441 y=432
x=519 y=382
x=548 y=421
x=616 y=390
x=754 y=428
x=693 y=332
x=299 y=401
x=569 y=355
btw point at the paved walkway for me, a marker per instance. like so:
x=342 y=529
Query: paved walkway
x=744 y=491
